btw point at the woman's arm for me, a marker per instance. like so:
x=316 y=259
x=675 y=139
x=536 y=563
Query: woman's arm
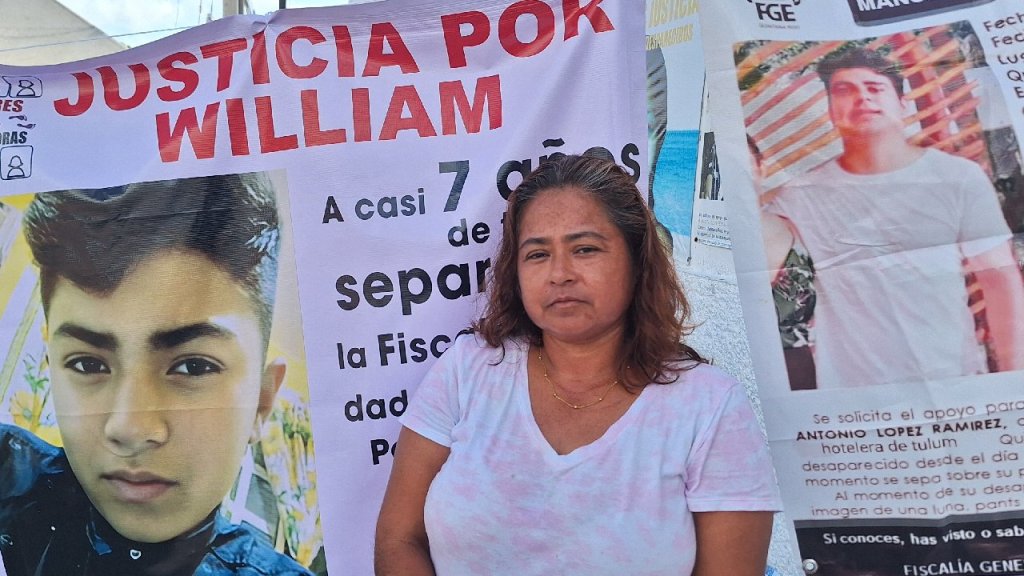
x=732 y=543
x=998 y=275
x=778 y=241
x=401 y=547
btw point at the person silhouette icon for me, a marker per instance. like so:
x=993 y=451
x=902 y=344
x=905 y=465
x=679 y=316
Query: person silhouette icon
x=26 y=88
x=15 y=168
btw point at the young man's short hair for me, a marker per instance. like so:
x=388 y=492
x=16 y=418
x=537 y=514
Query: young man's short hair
x=860 y=58
x=95 y=238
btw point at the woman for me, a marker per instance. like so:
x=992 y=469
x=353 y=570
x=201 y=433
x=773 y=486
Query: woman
x=574 y=434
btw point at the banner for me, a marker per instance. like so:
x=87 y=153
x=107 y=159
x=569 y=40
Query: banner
x=354 y=158
x=870 y=150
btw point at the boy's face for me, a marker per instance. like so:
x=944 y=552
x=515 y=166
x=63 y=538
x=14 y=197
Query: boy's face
x=158 y=386
x=862 y=102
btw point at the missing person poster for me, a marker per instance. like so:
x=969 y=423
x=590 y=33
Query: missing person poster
x=871 y=153
x=227 y=257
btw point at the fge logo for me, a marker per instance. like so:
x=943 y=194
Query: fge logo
x=775 y=10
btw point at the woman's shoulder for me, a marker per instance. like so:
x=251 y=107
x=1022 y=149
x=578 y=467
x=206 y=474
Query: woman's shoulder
x=470 y=349
x=698 y=380
x=701 y=396
x=471 y=354
x=701 y=371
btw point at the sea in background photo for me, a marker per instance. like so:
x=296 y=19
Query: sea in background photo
x=674 y=178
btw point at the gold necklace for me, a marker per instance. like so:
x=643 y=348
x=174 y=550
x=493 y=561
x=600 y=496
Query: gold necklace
x=554 y=390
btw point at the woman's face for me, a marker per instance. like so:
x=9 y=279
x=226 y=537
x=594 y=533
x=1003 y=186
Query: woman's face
x=575 y=272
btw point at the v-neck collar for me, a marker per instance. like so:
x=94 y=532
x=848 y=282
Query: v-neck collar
x=521 y=385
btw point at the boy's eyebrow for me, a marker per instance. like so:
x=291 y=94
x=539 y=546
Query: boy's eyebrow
x=178 y=336
x=102 y=340
x=159 y=341
x=869 y=82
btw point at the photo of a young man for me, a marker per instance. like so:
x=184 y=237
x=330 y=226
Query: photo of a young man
x=899 y=232
x=158 y=300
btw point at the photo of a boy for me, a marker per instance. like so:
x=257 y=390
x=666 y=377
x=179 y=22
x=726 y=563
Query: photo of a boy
x=158 y=299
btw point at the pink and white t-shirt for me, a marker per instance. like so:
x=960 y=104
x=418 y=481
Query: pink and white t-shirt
x=506 y=503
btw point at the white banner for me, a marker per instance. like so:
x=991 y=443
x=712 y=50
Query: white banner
x=391 y=133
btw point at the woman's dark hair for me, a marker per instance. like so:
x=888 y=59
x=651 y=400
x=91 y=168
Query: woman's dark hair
x=656 y=318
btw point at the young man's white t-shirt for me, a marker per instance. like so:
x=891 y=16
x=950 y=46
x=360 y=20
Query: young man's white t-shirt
x=888 y=253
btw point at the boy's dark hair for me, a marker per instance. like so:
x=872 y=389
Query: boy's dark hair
x=860 y=58
x=94 y=238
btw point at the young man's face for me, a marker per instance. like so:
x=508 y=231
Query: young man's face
x=863 y=102
x=158 y=386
